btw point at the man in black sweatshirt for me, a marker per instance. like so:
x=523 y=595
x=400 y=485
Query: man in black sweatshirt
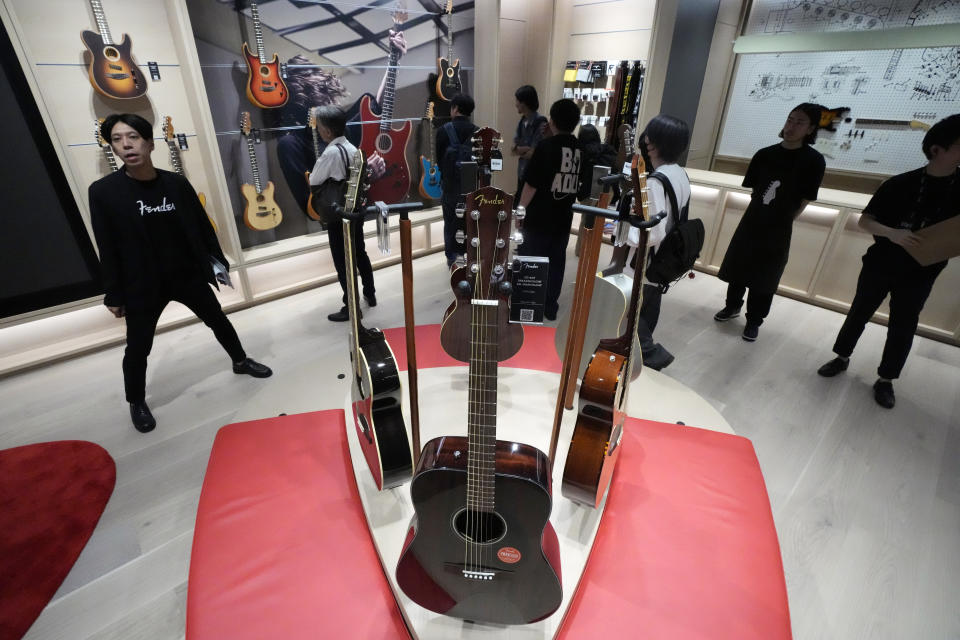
x=156 y=245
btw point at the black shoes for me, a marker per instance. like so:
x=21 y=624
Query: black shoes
x=658 y=359
x=883 y=394
x=726 y=313
x=835 y=366
x=340 y=316
x=750 y=332
x=141 y=417
x=371 y=299
x=252 y=368
x=550 y=315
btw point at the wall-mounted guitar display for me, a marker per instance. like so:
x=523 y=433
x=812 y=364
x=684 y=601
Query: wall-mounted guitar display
x=177 y=163
x=448 y=71
x=265 y=85
x=113 y=71
x=260 y=211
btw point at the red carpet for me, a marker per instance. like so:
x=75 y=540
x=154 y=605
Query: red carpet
x=51 y=496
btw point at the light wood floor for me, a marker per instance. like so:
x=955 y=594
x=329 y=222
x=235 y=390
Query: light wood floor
x=866 y=500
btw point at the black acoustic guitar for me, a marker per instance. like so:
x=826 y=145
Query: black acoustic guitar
x=481 y=546
x=113 y=71
x=376 y=391
x=448 y=71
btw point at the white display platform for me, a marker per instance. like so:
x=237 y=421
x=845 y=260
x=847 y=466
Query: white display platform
x=526 y=400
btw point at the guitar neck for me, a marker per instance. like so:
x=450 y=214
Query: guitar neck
x=111 y=158
x=175 y=156
x=482 y=404
x=450 y=35
x=258 y=32
x=252 y=152
x=101 y=21
x=389 y=87
x=875 y=122
x=351 y=273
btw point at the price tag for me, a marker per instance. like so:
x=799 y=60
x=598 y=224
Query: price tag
x=496 y=164
x=182 y=141
x=154 y=70
x=626 y=169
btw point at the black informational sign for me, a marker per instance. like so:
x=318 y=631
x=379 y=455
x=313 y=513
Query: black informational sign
x=46 y=256
x=529 y=289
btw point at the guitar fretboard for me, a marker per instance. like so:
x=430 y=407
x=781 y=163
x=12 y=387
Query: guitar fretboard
x=101 y=21
x=386 y=109
x=252 y=152
x=175 y=156
x=258 y=35
x=482 y=405
x=450 y=38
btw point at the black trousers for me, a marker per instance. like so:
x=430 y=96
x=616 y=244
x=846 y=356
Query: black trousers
x=197 y=296
x=553 y=247
x=649 y=315
x=335 y=235
x=451 y=224
x=758 y=303
x=908 y=293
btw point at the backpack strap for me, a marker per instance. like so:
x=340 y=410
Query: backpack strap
x=671 y=195
x=346 y=161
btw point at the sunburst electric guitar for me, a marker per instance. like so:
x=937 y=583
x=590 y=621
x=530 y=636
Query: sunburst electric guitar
x=265 y=85
x=113 y=71
x=260 y=211
x=448 y=71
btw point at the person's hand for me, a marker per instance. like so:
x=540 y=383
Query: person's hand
x=376 y=167
x=118 y=312
x=904 y=238
x=398 y=42
x=522 y=151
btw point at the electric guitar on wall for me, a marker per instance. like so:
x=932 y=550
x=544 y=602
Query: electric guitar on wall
x=105 y=146
x=429 y=169
x=265 y=85
x=376 y=392
x=378 y=136
x=312 y=123
x=260 y=211
x=480 y=546
x=448 y=76
x=177 y=164
x=112 y=69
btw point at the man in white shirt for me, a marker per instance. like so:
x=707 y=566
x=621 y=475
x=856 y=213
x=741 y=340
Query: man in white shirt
x=333 y=165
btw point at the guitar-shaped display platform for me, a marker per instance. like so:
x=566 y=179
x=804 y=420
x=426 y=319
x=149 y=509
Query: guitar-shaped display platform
x=260 y=211
x=112 y=70
x=379 y=136
x=312 y=124
x=265 y=85
x=481 y=546
x=376 y=391
x=448 y=71
x=595 y=444
x=177 y=163
x=429 y=170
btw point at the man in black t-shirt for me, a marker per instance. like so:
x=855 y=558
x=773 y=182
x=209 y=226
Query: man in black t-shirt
x=460 y=126
x=901 y=206
x=550 y=186
x=156 y=245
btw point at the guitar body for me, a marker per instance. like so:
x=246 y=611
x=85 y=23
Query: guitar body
x=391 y=144
x=594 y=446
x=203 y=203
x=265 y=87
x=448 y=80
x=311 y=212
x=376 y=401
x=429 y=179
x=518 y=543
x=455 y=330
x=112 y=71
x=607 y=317
x=261 y=211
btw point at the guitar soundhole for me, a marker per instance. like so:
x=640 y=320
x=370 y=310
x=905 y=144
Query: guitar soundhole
x=111 y=53
x=384 y=143
x=264 y=70
x=479 y=527
x=260 y=197
x=449 y=73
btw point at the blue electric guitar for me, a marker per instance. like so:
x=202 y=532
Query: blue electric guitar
x=430 y=170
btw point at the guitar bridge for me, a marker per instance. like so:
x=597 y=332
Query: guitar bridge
x=474 y=572
x=478 y=575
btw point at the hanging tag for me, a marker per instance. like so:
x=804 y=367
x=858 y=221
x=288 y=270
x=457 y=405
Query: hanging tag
x=182 y=141
x=626 y=169
x=496 y=160
x=256 y=136
x=154 y=70
x=529 y=289
x=283 y=70
x=383 y=227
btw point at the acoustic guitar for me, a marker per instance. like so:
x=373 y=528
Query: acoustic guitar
x=265 y=86
x=104 y=145
x=112 y=70
x=375 y=390
x=312 y=123
x=429 y=170
x=480 y=546
x=448 y=74
x=260 y=211
x=377 y=134
x=595 y=444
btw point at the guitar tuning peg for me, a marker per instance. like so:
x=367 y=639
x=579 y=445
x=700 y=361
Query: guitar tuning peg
x=501 y=215
x=474 y=268
x=460 y=210
x=500 y=243
x=517 y=238
x=475 y=215
x=498 y=270
x=460 y=236
x=461 y=261
x=474 y=242
x=520 y=212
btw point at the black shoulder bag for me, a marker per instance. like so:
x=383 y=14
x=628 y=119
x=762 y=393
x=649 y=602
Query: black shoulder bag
x=681 y=247
x=330 y=193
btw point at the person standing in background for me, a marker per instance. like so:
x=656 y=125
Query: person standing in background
x=530 y=129
x=784 y=178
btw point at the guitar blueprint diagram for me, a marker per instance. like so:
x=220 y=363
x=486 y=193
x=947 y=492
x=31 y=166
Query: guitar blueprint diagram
x=773 y=17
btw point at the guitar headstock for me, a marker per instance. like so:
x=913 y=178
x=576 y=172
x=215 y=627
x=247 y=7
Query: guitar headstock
x=98 y=132
x=449 y=8
x=429 y=114
x=486 y=145
x=168 y=129
x=245 y=123
x=311 y=118
x=399 y=15
x=356 y=195
x=489 y=240
x=638 y=177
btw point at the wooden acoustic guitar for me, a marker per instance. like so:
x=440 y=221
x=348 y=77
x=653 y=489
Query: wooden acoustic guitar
x=377 y=134
x=448 y=71
x=430 y=187
x=480 y=546
x=260 y=211
x=112 y=70
x=376 y=391
x=105 y=146
x=595 y=444
x=177 y=163
x=312 y=123
x=265 y=86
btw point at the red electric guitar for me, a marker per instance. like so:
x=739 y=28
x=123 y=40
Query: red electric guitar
x=265 y=86
x=378 y=136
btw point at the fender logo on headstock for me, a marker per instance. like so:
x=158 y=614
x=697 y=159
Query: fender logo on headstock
x=482 y=200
